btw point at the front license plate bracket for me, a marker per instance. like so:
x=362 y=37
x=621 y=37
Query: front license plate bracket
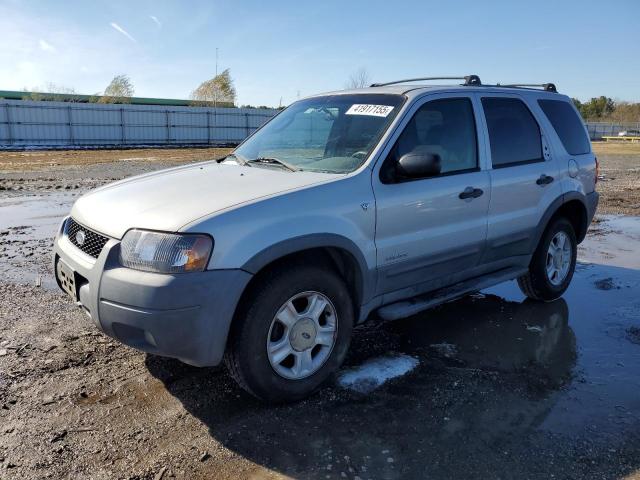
x=67 y=278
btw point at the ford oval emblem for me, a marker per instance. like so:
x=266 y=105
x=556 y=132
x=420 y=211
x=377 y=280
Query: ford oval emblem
x=80 y=237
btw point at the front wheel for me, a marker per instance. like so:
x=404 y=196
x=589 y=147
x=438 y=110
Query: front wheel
x=292 y=334
x=553 y=263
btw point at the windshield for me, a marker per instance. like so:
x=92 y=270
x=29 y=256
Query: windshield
x=332 y=133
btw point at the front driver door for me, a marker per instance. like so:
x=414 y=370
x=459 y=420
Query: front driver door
x=431 y=232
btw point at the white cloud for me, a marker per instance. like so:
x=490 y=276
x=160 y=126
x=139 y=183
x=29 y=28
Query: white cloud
x=87 y=62
x=118 y=28
x=46 y=46
x=156 y=21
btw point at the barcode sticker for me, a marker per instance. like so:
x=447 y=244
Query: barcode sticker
x=373 y=110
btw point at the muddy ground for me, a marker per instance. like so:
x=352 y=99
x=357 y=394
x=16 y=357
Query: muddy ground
x=619 y=183
x=503 y=388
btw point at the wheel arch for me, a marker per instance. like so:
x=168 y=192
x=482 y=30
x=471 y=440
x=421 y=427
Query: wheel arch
x=570 y=205
x=333 y=250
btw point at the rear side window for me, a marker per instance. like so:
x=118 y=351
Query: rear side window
x=514 y=134
x=567 y=125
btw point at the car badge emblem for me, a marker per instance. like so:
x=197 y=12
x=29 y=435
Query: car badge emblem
x=81 y=237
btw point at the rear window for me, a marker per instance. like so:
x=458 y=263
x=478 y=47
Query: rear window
x=514 y=134
x=567 y=125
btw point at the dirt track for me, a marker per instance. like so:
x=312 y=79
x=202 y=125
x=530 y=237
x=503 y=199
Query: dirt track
x=619 y=185
x=505 y=388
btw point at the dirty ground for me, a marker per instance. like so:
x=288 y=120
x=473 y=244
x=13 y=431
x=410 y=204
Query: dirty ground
x=489 y=386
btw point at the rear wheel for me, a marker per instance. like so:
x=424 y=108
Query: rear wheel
x=292 y=334
x=553 y=263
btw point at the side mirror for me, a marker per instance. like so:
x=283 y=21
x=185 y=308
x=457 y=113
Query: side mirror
x=419 y=164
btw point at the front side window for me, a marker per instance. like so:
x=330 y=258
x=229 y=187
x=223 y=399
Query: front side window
x=333 y=133
x=514 y=134
x=567 y=125
x=446 y=128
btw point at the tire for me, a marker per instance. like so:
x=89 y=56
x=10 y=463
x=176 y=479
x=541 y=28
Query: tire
x=257 y=328
x=538 y=283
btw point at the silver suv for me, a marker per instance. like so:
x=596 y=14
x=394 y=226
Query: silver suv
x=388 y=199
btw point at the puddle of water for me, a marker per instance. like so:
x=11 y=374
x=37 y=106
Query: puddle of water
x=616 y=242
x=376 y=371
x=40 y=213
x=492 y=333
x=28 y=224
x=604 y=394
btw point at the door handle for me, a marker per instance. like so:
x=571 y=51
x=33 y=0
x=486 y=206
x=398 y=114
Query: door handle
x=470 y=192
x=544 y=180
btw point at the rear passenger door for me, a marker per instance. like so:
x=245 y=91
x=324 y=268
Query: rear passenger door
x=523 y=178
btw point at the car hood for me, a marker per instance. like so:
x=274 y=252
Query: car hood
x=169 y=199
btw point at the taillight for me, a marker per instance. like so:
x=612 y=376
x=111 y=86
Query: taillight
x=597 y=170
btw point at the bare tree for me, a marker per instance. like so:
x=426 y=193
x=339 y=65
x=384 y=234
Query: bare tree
x=120 y=90
x=51 y=91
x=359 y=79
x=217 y=89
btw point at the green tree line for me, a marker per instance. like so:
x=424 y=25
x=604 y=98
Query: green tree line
x=604 y=109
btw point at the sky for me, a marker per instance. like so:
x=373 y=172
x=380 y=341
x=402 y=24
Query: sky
x=278 y=51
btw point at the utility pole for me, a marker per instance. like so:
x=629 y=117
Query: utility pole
x=215 y=92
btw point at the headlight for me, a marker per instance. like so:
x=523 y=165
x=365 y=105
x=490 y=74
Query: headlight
x=63 y=224
x=165 y=252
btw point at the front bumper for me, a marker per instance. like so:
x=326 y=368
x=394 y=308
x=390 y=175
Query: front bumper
x=185 y=316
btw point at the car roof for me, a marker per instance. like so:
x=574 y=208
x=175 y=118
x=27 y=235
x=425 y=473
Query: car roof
x=416 y=90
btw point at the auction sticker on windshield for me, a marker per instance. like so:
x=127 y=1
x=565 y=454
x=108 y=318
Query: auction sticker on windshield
x=373 y=110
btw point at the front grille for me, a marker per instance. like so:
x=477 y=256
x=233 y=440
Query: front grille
x=93 y=242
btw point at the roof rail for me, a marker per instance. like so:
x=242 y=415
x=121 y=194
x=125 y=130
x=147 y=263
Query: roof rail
x=468 y=80
x=547 y=87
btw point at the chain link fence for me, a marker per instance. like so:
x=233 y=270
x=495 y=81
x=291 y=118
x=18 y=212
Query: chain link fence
x=597 y=130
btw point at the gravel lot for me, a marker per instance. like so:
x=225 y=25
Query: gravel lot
x=503 y=387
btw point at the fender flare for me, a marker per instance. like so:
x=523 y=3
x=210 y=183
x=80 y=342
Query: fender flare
x=552 y=210
x=366 y=278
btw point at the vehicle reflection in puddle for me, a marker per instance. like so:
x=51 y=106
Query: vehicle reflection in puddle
x=489 y=333
x=579 y=352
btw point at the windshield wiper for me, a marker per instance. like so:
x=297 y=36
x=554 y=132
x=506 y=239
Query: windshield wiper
x=274 y=161
x=238 y=158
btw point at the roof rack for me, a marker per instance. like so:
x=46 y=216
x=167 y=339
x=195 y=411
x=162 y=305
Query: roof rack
x=468 y=80
x=547 y=87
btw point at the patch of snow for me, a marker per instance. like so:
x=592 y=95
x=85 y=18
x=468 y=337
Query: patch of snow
x=376 y=371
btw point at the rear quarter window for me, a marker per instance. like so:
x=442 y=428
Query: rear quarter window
x=567 y=125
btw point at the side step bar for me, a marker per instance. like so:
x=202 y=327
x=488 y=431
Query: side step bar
x=406 y=308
